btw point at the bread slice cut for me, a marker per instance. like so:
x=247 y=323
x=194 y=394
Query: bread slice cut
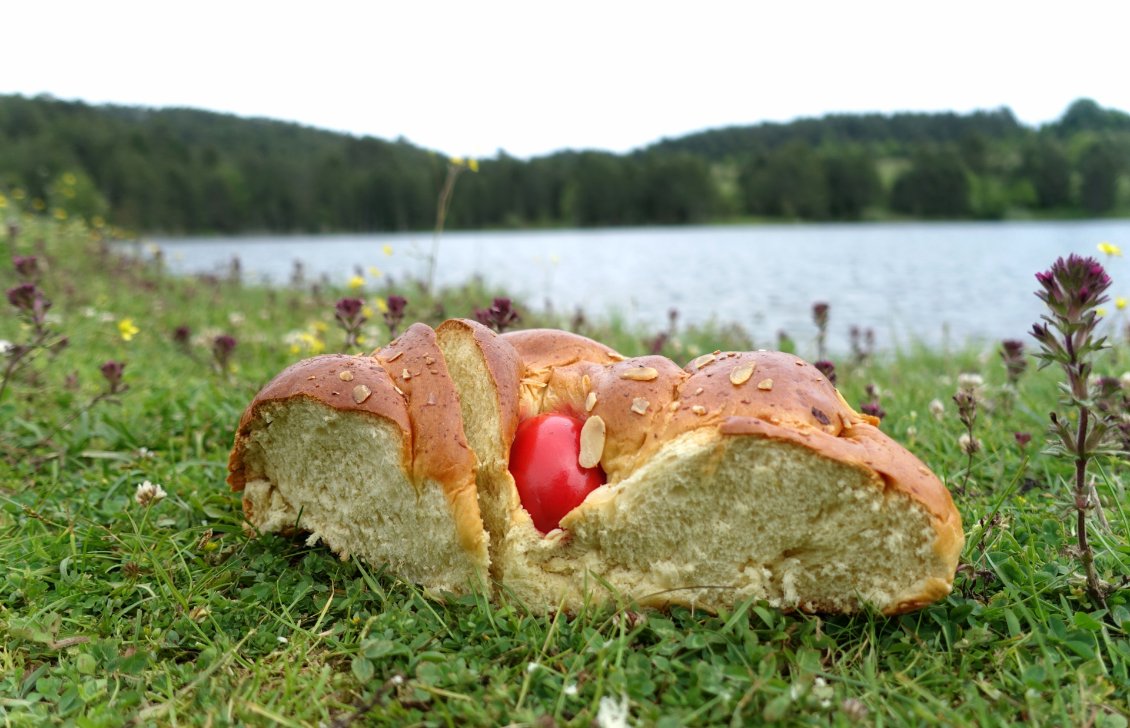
x=741 y=476
x=367 y=454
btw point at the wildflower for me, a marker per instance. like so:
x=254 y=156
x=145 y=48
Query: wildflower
x=27 y=267
x=968 y=444
x=828 y=369
x=854 y=709
x=1073 y=289
x=473 y=165
x=394 y=313
x=222 y=348
x=148 y=494
x=386 y=249
x=5 y=347
x=1100 y=312
x=968 y=382
x=1022 y=438
x=59 y=214
x=570 y=690
x=820 y=318
x=235 y=318
x=1120 y=303
x=182 y=337
x=500 y=316
x=1109 y=249
x=127 y=329
x=612 y=713
x=350 y=314
x=30 y=301
x=356 y=283
x=3 y=202
x=872 y=406
x=1012 y=353
x=457 y=161
x=112 y=373
x=374 y=271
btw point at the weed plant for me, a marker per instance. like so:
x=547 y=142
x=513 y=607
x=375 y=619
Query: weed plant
x=131 y=593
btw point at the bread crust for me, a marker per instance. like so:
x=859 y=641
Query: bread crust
x=333 y=380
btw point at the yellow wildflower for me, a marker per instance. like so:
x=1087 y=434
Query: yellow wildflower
x=3 y=202
x=39 y=204
x=1110 y=249
x=127 y=329
x=97 y=221
x=473 y=165
x=457 y=161
x=320 y=327
x=1120 y=303
x=356 y=283
x=18 y=193
x=366 y=312
x=382 y=305
x=1100 y=312
x=386 y=249
x=60 y=214
x=69 y=178
x=375 y=272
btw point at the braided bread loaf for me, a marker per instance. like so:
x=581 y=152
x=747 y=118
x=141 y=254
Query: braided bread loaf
x=743 y=475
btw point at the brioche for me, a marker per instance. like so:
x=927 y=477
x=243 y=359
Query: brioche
x=741 y=476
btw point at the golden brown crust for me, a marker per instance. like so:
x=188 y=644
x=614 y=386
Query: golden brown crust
x=541 y=348
x=346 y=383
x=417 y=368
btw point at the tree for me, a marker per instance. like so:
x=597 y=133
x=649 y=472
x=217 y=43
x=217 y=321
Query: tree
x=1098 y=171
x=936 y=185
x=1045 y=164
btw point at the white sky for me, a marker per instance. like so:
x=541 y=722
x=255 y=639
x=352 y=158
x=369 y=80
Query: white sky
x=531 y=77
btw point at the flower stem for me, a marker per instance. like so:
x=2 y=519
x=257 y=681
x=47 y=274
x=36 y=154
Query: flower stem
x=1082 y=505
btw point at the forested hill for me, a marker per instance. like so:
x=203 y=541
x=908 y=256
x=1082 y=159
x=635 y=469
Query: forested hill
x=181 y=170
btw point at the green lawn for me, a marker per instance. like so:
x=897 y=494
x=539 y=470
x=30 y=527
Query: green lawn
x=174 y=615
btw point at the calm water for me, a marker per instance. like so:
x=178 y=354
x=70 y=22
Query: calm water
x=932 y=282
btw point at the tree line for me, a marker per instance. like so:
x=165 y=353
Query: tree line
x=190 y=171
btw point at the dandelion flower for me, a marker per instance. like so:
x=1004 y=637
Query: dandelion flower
x=1110 y=249
x=386 y=249
x=381 y=304
x=1120 y=303
x=148 y=493
x=127 y=329
x=473 y=165
x=60 y=214
x=375 y=272
x=457 y=161
x=356 y=283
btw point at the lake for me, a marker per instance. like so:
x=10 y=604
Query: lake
x=938 y=283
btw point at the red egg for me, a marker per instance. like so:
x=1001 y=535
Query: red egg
x=543 y=461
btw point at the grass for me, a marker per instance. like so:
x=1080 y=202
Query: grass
x=111 y=613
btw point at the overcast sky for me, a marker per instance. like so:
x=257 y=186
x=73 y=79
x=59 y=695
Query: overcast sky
x=473 y=77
